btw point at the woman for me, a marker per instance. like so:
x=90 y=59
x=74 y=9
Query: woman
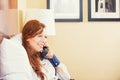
x=48 y=67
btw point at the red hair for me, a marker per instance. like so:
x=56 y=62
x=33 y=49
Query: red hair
x=30 y=30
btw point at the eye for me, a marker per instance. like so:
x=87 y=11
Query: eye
x=45 y=36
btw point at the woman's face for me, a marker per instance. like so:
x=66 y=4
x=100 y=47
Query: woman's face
x=37 y=42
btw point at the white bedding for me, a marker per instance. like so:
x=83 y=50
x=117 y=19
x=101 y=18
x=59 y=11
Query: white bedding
x=14 y=63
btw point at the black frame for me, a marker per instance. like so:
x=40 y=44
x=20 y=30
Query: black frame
x=69 y=20
x=98 y=19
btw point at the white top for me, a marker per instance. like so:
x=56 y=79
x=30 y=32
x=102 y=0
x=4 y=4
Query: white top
x=49 y=71
x=15 y=65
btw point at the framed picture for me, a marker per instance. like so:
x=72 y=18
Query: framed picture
x=66 y=10
x=103 y=10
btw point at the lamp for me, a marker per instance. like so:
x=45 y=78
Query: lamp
x=45 y=16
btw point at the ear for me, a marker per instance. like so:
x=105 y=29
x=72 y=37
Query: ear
x=29 y=39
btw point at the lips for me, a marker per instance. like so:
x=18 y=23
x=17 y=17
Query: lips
x=41 y=46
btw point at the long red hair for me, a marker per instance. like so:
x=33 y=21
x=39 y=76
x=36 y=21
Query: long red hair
x=30 y=30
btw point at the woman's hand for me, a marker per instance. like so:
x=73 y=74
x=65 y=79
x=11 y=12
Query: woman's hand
x=50 y=53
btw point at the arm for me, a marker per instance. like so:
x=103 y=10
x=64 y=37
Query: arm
x=61 y=70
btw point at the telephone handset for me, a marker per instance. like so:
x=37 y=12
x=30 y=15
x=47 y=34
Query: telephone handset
x=44 y=52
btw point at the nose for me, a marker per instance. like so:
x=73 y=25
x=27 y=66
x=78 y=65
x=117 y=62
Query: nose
x=44 y=40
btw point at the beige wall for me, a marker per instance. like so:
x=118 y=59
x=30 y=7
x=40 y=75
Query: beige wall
x=36 y=3
x=90 y=50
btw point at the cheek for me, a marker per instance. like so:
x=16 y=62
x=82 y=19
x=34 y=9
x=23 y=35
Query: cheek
x=37 y=44
x=33 y=44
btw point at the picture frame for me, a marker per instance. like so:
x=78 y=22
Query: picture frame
x=103 y=10
x=66 y=10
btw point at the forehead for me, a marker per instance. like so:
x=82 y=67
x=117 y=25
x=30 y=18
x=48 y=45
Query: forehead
x=44 y=32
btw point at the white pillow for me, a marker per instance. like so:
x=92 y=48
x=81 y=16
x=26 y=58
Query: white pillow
x=17 y=38
x=14 y=63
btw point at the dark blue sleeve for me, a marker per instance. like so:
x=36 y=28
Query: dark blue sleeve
x=54 y=61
